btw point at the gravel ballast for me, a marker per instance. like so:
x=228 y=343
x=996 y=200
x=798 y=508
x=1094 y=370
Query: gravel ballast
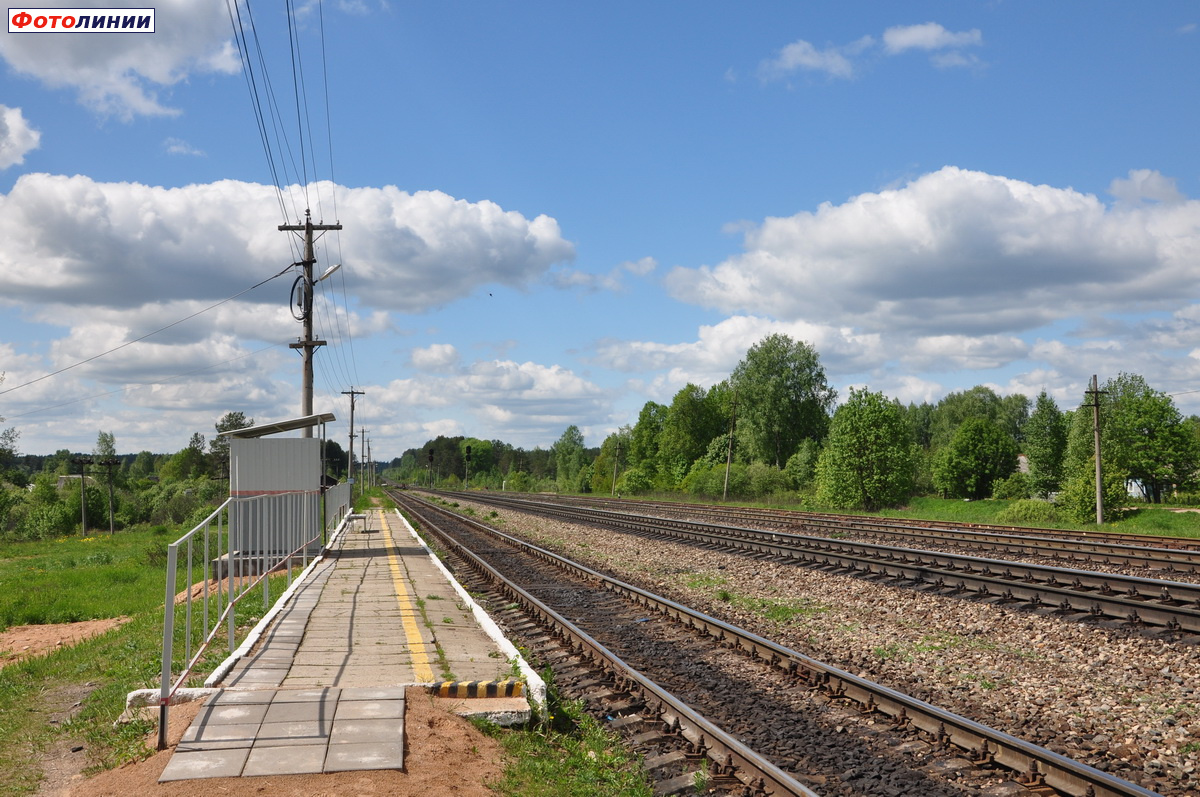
x=1113 y=698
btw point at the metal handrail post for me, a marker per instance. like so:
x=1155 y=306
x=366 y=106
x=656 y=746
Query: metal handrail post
x=168 y=645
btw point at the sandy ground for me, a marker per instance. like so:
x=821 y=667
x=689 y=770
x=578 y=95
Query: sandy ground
x=444 y=753
x=24 y=641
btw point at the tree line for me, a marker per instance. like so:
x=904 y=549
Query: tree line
x=774 y=428
x=41 y=496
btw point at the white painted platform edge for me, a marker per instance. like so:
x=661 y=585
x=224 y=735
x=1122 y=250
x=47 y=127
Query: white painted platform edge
x=537 y=687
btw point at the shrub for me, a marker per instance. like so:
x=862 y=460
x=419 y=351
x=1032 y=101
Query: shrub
x=1028 y=512
x=1078 y=495
x=635 y=480
x=765 y=480
x=1016 y=486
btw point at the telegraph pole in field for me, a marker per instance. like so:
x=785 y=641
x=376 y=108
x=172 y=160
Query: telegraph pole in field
x=307 y=345
x=1095 y=393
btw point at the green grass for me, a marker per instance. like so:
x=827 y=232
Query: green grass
x=567 y=753
x=1141 y=519
x=73 y=579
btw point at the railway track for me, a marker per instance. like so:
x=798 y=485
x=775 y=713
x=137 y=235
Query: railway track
x=1168 y=554
x=778 y=702
x=1170 y=606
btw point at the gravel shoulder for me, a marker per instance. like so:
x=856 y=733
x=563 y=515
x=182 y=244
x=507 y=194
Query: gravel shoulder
x=1110 y=697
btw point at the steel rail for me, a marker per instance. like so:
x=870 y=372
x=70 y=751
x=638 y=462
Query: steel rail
x=1035 y=765
x=721 y=748
x=1173 y=605
x=791 y=517
x=1106 y=548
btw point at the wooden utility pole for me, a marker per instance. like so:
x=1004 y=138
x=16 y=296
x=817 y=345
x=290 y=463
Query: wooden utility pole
x=729 y=450
x=82 y=462
x=307 y=345
x=616 y=461
x=350 y=462
x=1095 y=394
x=109 y=464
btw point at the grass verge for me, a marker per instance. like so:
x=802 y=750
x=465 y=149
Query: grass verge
x=566 y=753
x=98 y=673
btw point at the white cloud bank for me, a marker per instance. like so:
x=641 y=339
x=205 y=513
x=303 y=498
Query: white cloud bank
x=124 y=74
x=72 y=241
x=958 y=252
x=945 y=48
x=17 y=137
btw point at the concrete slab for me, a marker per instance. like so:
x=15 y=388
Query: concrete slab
x=297 y=760
x=357 y=757
x=205 y=764
x=323 y=689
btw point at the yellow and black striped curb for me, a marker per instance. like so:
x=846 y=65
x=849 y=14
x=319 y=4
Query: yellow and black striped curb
x=509 y=688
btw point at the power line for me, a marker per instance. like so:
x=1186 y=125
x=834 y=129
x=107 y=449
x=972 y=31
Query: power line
x=143 y=337
x=163 y=381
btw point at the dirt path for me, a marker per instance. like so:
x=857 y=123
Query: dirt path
x=26 y=641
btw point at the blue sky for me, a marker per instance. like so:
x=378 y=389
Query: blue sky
x=555 y=212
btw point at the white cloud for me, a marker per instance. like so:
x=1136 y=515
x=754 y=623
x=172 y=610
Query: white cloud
x=963 y=352
x=956 y=252
x=435 y=358
x=177 y=146
x=719 y=347
x=523 y=403
x=123 y=75
x=945 y=48
x=803 y=55
x=17 y=137
x=1145 y=184
x=76 y=242
x=928 y=36
x=568 y=278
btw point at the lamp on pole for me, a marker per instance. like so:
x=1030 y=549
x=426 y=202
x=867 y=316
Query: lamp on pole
x=304 y=284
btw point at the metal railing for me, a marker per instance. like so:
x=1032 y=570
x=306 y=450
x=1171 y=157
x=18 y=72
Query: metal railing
x=339 y=501
x=225 y=559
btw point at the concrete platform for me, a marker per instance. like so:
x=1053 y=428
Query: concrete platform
x=323 y=688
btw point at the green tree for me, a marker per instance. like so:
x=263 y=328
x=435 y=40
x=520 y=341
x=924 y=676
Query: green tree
x=868 y=459
x=1045 y=445
x=783 y=397
x=920 y=421
x=613 y=453
x=1148 y=437
x=641 y=445
x=801 y=467
x=979 y=454
x=569 y=458
x=106 y=446
x=694 y=418
x=956 y=408
x=1012 y=414
x=8 y=441
x=482 y=461
x=218 y=447
x=142 y=466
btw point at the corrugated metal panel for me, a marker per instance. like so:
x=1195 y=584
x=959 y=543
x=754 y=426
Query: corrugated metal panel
x=260 y=466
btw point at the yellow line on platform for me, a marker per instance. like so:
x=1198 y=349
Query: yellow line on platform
x=421 y=667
